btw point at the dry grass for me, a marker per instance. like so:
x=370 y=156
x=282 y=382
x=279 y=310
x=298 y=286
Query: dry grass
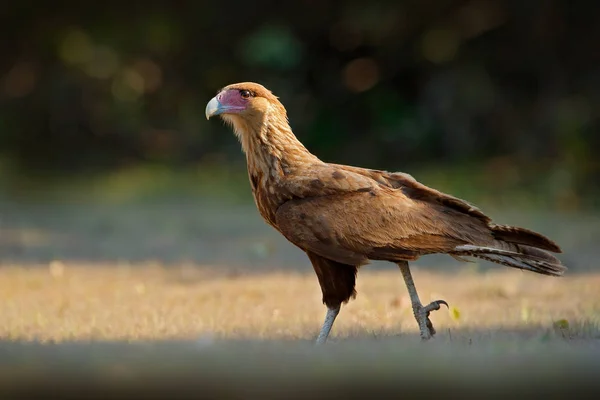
x=201 y=332
x=78 y=302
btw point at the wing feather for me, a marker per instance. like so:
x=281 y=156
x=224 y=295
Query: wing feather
x=352 y=227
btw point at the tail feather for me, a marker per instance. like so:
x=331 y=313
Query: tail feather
x=513 y=234
x=515 y=256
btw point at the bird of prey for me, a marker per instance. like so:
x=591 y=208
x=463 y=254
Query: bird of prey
x=343 y=216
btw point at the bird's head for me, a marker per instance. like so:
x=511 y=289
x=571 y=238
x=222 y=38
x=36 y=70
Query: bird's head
x=258 y=118
x=243 y=103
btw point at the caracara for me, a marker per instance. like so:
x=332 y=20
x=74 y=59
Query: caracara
x=344 y=216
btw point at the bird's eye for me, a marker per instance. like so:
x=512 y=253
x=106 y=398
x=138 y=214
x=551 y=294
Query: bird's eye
x=245 y=94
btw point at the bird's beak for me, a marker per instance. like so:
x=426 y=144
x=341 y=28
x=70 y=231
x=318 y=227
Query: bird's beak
x=213 y=108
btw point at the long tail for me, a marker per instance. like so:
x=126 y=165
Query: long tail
x=517 y=248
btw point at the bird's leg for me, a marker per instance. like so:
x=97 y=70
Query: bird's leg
x=332 y=313
x=420 y=312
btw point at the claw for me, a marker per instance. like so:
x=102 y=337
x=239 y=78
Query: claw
x=434 y=305
x=442 y=302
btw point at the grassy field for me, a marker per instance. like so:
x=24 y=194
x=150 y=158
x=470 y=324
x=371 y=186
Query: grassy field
x=65 y=302
x=111 y=329
x=125 y=323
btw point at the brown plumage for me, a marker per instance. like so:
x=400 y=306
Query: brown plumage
x=344 y=216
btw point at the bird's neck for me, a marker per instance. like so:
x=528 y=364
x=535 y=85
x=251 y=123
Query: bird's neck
x=272 y=150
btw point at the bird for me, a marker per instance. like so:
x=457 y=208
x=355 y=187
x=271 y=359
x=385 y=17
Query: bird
x=344 y=217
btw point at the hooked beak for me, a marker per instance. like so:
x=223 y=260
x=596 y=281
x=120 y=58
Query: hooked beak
x=213 y=108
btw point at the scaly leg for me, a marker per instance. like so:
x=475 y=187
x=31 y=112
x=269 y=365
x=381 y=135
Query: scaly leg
x=332 y=313
x=420 y=312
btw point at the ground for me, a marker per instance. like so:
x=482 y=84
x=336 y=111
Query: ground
x=62 y=302
x=146 y=326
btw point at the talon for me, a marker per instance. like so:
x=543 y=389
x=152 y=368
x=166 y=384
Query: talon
x=425 y=312
x=434 y=305
x=442 y=302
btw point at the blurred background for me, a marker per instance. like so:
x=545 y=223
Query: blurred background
x=105 y=153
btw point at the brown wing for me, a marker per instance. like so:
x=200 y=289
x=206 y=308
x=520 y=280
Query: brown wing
x=416 y=190
x=379 y=223
x=315 y=180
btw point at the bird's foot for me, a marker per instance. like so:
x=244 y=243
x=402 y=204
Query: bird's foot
x=422 y=316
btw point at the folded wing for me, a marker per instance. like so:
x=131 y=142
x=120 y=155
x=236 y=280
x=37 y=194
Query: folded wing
x=377 y=223
x=350 y=219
